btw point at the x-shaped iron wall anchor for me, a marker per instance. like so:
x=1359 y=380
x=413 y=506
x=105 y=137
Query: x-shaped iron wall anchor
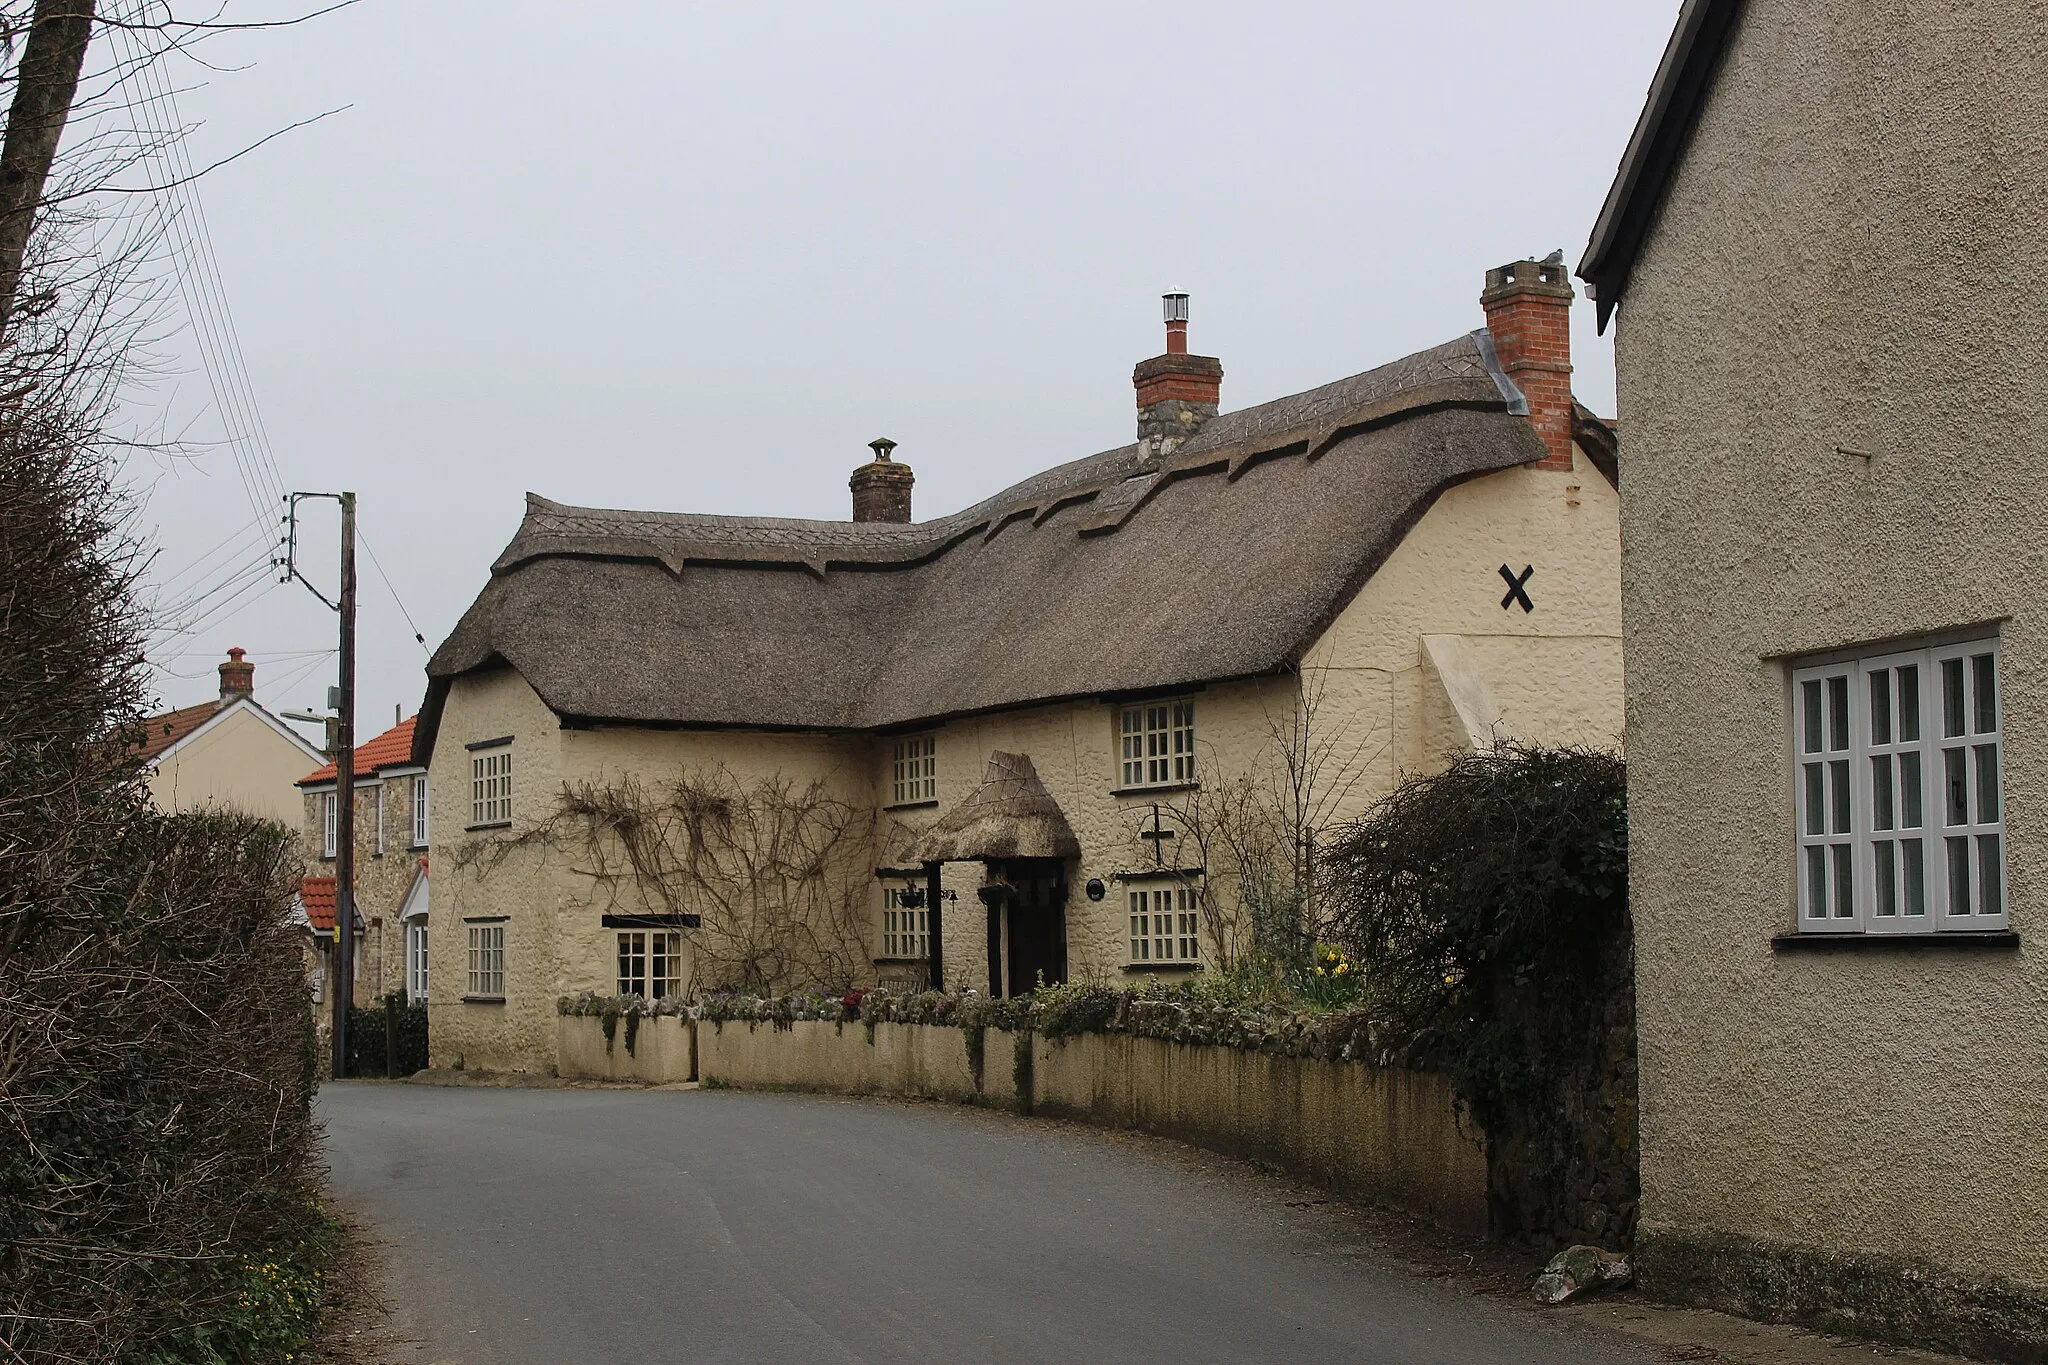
x=1515 y=593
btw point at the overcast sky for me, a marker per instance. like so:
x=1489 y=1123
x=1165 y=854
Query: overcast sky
x=694 y=256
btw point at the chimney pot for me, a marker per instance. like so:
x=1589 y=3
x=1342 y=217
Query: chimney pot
x=881 y=487
x=1177 y=392
x=1528 y=313
x=237 y=676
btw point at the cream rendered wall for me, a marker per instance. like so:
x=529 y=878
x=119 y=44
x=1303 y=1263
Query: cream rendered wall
x=655 y=758
x=1553 y=675
x=240 y=763
x=519 y=1033
x=1849 y=257
x=1074 y=747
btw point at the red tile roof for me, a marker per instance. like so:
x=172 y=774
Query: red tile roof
x=392 y=749
x=316 y=896
x=161 y=732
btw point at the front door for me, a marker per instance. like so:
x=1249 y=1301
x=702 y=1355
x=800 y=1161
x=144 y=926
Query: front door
x=1031 y=923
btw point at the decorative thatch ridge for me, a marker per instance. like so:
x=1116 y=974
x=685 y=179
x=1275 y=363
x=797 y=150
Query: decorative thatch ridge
x=1010 y=815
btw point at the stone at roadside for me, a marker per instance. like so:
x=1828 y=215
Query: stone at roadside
x=1581 y=1270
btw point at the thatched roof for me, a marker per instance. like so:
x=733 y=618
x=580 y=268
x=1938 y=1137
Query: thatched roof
x=1010 y=815
x=1226 y=559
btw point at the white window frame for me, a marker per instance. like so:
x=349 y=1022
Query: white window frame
x=486 y=962
x=379 y=847
x=914 y=770
x=490 y=786
x=416 y=959
x=1165 y=923
x=419 y=810
x=1156 y=744
x=330 y=823
x=1884 y=740
x=650 y=963
x=906 y=935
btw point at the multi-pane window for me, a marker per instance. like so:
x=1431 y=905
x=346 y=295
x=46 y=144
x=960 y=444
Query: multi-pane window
x=490 y=787
x=914 y=776
x=1900 y=807
x=330 y=824
x=416 y=960
x=1165 y=925
x=487 y=961
x=650 y=963
x=903 y=928
x=1158 y=744
x=419 y=811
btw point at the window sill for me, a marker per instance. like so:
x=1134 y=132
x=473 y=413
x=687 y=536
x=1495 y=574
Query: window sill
x=483 y=999
x=489 y=824
x=1137 y=968
x=912 y=805
x=900 y=961
x=1965 y=940
x=1161 y=790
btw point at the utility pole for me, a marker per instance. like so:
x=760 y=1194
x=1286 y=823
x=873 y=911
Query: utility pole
x=342 y=975
x=345 y=798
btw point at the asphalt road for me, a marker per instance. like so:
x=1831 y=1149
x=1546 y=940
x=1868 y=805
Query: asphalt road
x=608 y=1225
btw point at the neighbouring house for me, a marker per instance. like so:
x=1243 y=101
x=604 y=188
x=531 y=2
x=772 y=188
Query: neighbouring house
x=226 y=753
x=1043 y=738
x=1824 y=247
x=390 y=864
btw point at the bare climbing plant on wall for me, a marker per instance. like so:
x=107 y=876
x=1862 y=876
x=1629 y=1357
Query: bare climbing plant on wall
x=781 y=873
x=1256 y=831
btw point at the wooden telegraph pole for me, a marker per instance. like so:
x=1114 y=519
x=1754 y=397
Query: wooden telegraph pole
x=342 y=975
x=345 y=798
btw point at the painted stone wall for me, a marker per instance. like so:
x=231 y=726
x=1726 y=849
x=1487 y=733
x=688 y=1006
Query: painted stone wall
x=1848 y=261
x=1390 y=1136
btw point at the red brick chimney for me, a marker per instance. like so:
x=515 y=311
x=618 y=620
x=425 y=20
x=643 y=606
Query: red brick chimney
x=1177 y=392
x=1529 y=311
x=881 y=487
x=237 y=677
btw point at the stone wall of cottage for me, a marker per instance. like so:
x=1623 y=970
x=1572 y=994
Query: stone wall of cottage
x=386 y=862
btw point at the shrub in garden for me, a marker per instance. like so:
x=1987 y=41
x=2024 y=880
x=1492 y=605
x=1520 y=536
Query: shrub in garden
x=1488 y=908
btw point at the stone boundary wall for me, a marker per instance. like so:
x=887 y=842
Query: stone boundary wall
x=664 y=1050
x=1389 y=1136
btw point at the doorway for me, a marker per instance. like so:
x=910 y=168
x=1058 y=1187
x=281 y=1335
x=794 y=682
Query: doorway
x=1027 y=924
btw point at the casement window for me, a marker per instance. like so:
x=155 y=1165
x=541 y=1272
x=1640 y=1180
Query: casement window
x=1165 y=925
x=379 y=845
x=486 y=962
x=419 y=811
x=904 y=930
x=416 y=960
x=1158 y=744
x=914 y=775
x=490 y=787
x=330 y=824
x=1900 y=806
x=650 y=963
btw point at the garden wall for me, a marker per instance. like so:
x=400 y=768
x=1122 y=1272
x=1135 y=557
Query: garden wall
x=663 y=1051
x=1376 y=1133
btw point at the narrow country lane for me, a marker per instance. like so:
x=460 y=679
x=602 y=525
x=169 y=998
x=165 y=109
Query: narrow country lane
x=538 y=1227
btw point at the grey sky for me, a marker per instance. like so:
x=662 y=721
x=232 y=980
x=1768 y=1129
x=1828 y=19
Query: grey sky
x=694 y=256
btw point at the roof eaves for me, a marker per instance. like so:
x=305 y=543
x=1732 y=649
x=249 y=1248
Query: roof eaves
x=1677 y=94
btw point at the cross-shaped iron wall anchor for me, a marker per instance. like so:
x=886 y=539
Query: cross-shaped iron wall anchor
x=1158 y=837
x=1515 y=582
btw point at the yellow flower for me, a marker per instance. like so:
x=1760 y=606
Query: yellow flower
x=1343 y=967
x=1319 y=971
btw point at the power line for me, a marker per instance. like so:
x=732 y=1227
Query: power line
x=379 y=566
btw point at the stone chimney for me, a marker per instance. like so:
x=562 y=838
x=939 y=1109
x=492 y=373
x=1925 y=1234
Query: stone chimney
x=237 y=677
x=881 y=487
x=1529 y=312
x=1177 y=392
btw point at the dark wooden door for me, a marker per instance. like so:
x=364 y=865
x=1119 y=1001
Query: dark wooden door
x=1038 y=926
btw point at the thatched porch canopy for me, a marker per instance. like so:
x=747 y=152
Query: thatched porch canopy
x=1010 y=815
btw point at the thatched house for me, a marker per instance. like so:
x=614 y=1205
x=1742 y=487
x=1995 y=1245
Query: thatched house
x=1033 y=739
